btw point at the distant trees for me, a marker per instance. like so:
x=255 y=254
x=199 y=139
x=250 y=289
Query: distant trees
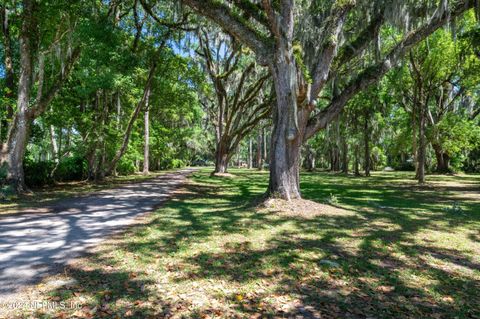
x=435 y=87
x=423 y=116
x=241 y=96
x=82 y=79
x=115 y=85
x=301 y=44
x=356 y=139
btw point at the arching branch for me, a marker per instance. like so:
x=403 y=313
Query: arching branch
x=374 y=73
x=234 y=25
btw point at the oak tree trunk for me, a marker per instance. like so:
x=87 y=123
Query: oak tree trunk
x=91 y=164
x=421 y=152
x=287 y=130
x=344 y=156
x=357 y=161
x=16 y=146
x=265 y=154
x=9 y=72
x=250 y=153
x=17 y=137
x=443 y=160
x=53 y=144
x=238 y=156
x=259 y=152
x=366 y=137
x=309 y=159
x=414 y=139
x=146 y=146
x=137 y=165
x=334 y=158
x=221 y=158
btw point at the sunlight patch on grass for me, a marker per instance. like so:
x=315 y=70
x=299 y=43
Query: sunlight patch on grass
x=396 y=252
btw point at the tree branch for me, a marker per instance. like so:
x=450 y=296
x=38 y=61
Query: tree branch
x=133 y=117
x=475 y=114
x=350 y=50
x=241 y=83
x=374 y=73
x=180 y=25
x=233 y=24
x=45 y=99
x=274 y=19
x=329 y=51
x=252 y=10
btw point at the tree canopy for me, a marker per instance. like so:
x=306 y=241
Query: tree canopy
x=384 y=83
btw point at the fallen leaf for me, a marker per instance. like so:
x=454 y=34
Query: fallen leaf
x=386 y=288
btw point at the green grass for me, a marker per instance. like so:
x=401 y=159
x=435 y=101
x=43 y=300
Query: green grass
x=397 y=251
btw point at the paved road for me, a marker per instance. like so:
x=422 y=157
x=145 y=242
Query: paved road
x=33 y=245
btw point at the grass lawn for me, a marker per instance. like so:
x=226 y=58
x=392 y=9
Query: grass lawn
x=386 y=249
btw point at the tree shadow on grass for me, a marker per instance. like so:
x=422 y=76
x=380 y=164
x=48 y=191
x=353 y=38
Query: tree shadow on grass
x=368 y=263
x=396 y=200
x=188 y=220
x=368 y=283
x=107 y=294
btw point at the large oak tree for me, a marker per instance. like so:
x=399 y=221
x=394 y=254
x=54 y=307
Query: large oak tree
x=308 y=45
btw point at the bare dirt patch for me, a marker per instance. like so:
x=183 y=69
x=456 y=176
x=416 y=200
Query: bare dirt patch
x=302 y=208
x=227 y=175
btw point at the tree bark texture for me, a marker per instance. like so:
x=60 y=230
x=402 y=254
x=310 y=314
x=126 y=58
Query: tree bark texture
x=259 y=157
x=366 y=141
x=146 y=139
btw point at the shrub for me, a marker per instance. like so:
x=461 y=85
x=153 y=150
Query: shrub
x=5 y=189
x=472 y=162
x=37 y=174
x=125 y=167
x=332 y=200
x=404 y=166
x=178 y=163
x=3 y=173
x=169 y=163
x=71 y=169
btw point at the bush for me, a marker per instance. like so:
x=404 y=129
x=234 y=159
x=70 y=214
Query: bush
x=125 y=167
x=5 y=189
x=3 y=174
x=472 y=162
x=178 y=163
x=457 y=163
x=71 y=169
x=404 y=166
x=169 y=163
x=6 y=192
x=37 y=174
